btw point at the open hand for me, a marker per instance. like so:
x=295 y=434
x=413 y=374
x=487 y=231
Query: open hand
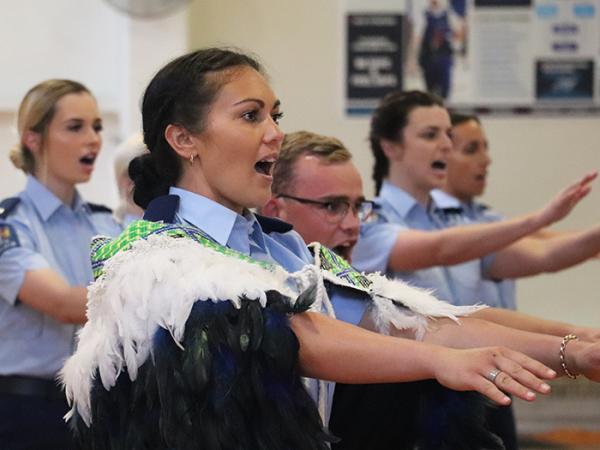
x=562 y=205
x=494 y=372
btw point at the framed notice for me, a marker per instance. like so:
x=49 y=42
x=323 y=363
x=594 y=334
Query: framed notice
x=374 y=58
x=539 y=56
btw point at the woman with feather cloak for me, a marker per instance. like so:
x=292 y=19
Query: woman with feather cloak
x=204 y=316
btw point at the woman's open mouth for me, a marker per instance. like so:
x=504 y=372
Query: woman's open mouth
x=88 y=160
x=265 y=167
x=438 y=164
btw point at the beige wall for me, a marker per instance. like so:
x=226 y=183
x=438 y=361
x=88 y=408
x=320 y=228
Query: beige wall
x=301 y=44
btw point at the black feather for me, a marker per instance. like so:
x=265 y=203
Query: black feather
x=420 y=415
x=306 y=299
x=236 y=386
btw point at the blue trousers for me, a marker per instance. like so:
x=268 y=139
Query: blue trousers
x=33 y=423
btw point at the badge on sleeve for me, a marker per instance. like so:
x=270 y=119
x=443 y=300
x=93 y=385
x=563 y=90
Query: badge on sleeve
x=8 y=238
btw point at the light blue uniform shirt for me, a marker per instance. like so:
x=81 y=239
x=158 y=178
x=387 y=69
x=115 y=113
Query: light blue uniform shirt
x=50 y=235
x=396 y=212
x=244 y=234
x=453 y=212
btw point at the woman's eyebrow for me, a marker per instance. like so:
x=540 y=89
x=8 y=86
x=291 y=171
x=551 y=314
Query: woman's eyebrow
x=251 y=100
x=73 y=119
x=260 y=102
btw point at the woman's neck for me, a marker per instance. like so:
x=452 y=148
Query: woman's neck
x=465 y=199
x=63 y=190
x=198 y=185
x=404 y=182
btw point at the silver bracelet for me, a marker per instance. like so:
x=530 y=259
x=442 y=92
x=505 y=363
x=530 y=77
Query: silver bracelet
x=563 y=357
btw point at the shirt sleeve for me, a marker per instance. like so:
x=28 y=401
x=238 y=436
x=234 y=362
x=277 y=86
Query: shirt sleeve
x=17 y=257
x=349 y=305
x=292 y=241
x=373 y=250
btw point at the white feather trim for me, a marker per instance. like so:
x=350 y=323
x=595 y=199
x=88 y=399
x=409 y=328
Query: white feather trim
x=419 y=305
x=155 y=283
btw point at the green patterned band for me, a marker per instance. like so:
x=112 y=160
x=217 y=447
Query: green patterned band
x=338 y=266
x=103 y=248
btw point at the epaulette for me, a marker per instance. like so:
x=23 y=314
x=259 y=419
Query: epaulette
x=272 y=225
x=162 y=208
x=450 y=210
x=97 y=208
x=8 y=205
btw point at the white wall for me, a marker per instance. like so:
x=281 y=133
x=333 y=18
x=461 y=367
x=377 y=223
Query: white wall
x=89 y=41
x=301 y=44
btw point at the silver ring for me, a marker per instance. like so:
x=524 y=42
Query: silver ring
x=493 y=374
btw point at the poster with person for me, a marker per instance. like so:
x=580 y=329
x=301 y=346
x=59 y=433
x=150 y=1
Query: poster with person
x=506 y=56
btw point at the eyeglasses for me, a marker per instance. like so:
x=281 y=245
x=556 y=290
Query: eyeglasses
x=337 y=208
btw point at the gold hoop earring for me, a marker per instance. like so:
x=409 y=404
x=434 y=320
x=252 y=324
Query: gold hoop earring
x=192 y=156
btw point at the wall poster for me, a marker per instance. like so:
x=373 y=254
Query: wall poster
x=510 y=56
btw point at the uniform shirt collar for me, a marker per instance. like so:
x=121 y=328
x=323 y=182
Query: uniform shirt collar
x=246 y=230
x=211 y=217
x=222 y=224
x=45 y=202
x=400 y=200
x=443 y=200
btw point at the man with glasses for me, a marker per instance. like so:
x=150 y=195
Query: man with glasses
x=317 y=188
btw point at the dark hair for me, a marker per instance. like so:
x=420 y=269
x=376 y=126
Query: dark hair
x=458 y=118
x=328 y=149
x=388 y=122
x=180 y=93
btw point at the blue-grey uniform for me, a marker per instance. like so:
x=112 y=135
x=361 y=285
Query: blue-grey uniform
x=397 y=211
x=453 y=212
x=38 y=231
x=261 y=238
x=500 y=293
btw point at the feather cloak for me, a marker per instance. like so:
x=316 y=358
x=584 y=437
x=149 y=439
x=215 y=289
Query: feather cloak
x=188 y=345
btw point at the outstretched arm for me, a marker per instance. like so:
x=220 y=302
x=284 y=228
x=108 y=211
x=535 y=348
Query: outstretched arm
x=582 y=357
x=472 y=332
x=547 y=233
x=531 y=256
x=525 y=322
x=333 y=350
x=414 y=250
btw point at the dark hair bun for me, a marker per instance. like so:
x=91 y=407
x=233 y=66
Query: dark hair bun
x=148 y=182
